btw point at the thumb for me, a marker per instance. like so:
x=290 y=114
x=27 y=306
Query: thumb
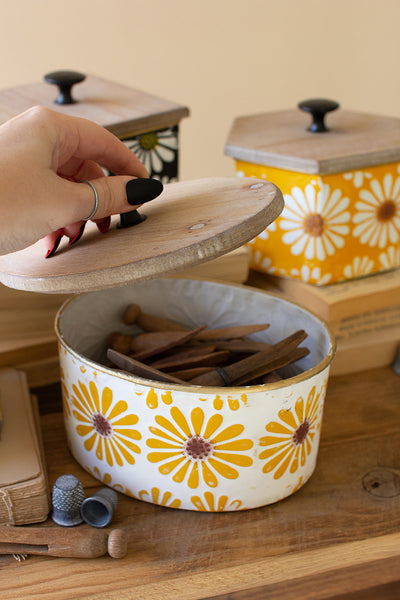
x=106 y=196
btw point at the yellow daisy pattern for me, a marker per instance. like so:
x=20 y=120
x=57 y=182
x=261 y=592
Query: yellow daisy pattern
x=290 y=440
x=162 y=499
x=152 y=400
x=65 y=396
x=231 y=402
x=107 y=479
x=105 y=424
x=211 y=503
x=199 y=448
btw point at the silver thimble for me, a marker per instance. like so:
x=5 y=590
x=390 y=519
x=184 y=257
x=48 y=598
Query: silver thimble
x=67 y=498
x=98 y=510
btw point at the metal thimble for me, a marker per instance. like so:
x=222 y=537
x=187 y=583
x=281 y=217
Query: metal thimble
x=67 y=498
x=98 y=510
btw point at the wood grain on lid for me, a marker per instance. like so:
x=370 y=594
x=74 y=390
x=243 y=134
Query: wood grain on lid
x=188 y=224
x=280 y=139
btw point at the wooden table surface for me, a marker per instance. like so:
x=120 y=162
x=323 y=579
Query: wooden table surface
x=340 y=534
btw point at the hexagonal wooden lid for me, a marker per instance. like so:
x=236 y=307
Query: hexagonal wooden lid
x=283 y=140
x=188 y=224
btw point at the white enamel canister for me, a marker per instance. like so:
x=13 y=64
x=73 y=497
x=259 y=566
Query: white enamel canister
x=183 y=446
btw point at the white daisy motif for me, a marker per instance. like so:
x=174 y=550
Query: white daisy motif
x=316 y=223
x=377 y=220
x=391 y=258
x=357 y=177
x=155 y=148
x=361 y=265
x=311 y=275
x=263 y=262
x=264 y=235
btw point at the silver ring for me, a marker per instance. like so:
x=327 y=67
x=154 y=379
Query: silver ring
x=96 y=200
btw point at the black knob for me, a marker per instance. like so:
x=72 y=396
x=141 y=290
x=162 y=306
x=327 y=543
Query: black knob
x=318 y=107
x=130 y=218
x=64 y=80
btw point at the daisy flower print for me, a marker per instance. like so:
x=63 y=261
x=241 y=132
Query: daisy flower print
x=377 y=220
x=316 y=223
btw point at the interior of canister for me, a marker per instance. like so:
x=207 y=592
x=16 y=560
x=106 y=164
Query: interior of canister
x=85 y=322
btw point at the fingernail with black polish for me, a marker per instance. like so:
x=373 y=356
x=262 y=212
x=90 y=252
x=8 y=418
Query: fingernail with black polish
x=52 y=250
x=78 y=236
x=139 y=191
x=104 y=225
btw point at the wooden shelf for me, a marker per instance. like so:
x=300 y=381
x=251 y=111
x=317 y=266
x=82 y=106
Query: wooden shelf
x=339 y=534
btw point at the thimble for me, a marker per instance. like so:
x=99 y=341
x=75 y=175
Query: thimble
x=98 y=510
x=67 y=498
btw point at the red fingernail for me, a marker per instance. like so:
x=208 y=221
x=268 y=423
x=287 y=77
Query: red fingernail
x=104 y=225
x=52 y=250
x=78 y=236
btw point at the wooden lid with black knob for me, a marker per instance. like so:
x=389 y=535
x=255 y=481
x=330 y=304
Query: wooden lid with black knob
x=327 y=140
x=190 y=223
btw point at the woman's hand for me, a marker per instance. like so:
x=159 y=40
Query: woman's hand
x=43 y=157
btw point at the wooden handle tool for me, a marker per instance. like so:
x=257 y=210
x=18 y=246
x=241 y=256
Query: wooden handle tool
x=129 y=364
x=57 y=541
x=257 y=364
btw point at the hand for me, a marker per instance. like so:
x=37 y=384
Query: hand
x=43 y=157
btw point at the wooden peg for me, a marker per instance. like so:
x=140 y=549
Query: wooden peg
x=150 y=323
x=188 y=360
x=163 y=341
x=131 y=314
x=227 y=333
x=78 y=542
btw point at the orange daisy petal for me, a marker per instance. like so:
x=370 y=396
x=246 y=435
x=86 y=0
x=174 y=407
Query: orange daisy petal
x=241 y=460
x=90 y=441
x=118 y=408
x=193 y=480
x=208 y=475
x=180 y=420
x=213 y=423
x=229 y=433
x=162 y=434
x=163 y=422
x=299 y=408
x=237 y=445
x=197 y=418
x=284 y=465
x=180 y=475
x=287 y=417
x=223 y=469
x=170 y=466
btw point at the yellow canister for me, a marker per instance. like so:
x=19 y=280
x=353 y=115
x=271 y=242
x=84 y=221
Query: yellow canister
x=341 y=187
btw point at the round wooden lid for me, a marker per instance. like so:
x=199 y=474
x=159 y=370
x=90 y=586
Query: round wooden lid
x=188 y=224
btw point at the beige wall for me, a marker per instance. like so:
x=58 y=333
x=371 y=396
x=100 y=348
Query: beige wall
x=222 y=58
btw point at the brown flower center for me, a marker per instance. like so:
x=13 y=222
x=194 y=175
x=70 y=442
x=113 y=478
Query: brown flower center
x=198 y=447
x=314 y=225
x=101 y=424
x=386 y=210
x=300 y=434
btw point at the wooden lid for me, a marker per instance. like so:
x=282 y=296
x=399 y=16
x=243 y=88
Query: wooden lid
x=188 y=224
x=283 y=139
x=122 y=110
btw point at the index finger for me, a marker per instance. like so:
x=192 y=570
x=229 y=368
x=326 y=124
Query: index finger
x=82 y=139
